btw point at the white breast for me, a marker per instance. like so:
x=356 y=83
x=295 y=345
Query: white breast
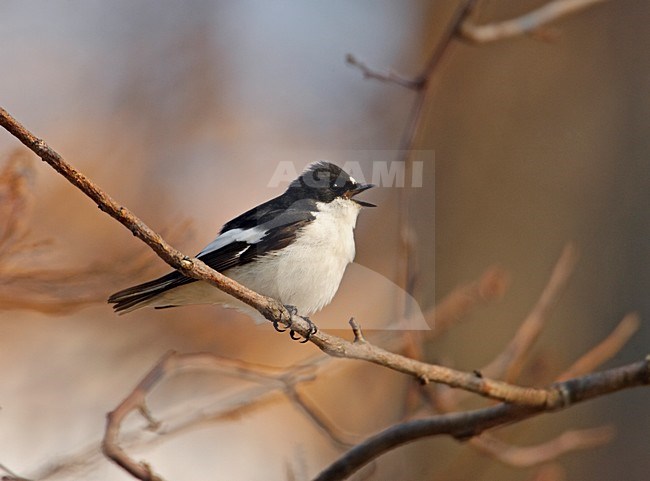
x=307 y=273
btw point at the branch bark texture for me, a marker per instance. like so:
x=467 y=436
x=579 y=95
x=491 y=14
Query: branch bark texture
x=517 y=402
x=465 y=425
x=272 y=309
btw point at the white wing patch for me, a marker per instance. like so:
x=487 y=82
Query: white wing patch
x=252 y=236
x=239 y=254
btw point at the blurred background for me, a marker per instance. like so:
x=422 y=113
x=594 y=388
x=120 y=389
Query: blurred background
x=182 y=111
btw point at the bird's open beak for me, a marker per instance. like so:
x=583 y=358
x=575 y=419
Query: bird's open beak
x=357 y=190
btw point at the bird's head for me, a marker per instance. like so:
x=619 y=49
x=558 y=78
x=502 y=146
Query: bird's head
x=326 y=182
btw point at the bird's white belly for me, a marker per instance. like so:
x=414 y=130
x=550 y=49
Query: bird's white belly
x=307 y=273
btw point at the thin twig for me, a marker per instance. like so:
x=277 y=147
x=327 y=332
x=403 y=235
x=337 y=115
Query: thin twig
x=313 y=413
x=463 y=299
x=421 y=84
x=390 y=76
x=511 y=360
x=540 y=398
x=471 y=423
x=523 y=456
x=356 y=330
x=415 y=120
x=172 y=362
x=190 y=267
x=525 y=24
x=271 y=384
x=605 y=350
x=270 y=308
x=135 y=401
x=527 y=456
x=534 y=397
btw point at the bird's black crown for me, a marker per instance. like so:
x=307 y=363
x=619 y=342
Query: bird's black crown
x=324 y=182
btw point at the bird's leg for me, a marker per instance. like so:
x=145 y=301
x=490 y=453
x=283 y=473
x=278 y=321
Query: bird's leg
x=312 y=330
x=276 y=326
x=293 y=311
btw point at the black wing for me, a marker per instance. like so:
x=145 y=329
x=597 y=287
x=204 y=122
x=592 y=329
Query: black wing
x=281 y=209
x=280 y=227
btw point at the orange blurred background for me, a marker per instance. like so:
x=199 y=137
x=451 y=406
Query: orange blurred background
x=182 y=112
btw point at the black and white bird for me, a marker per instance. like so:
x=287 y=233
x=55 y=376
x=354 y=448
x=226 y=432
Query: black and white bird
x=293 y=248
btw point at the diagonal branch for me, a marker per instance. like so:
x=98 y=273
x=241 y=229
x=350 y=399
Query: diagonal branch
x=604 y=350
x=528 y=23
x=272 y=309
x=471 y=423
x=530 y=400
x=190 y=267
x=389 y=77
x=421 y=84
x=490 y=287
x=511 y=360
x=527 y=456
x=172 y=362
x=339 y=437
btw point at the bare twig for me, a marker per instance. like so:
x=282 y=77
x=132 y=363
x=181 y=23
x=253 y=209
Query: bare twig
x=390 y=76
x=24 y=283
x=270 y=308
x=190 y=267
x=523 y=457
x=173 y=362
x=471 y=423
x=572 y=440
x=605 y=350
x=356 y=330
x=336 y=435
x=421 y=102
x=511 y=360
x=421 y=84
x=458 y=303
x=535 y=398
x=135 y=401
x=270 y=384
x=458 y=425
x=228 y=408
x=528 y=23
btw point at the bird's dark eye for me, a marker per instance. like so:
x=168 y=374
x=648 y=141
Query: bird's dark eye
x=338 y=184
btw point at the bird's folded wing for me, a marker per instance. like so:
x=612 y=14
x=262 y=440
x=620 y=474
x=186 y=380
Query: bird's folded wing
x=232 y=248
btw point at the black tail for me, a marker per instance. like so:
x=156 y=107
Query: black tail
x=138 y=296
